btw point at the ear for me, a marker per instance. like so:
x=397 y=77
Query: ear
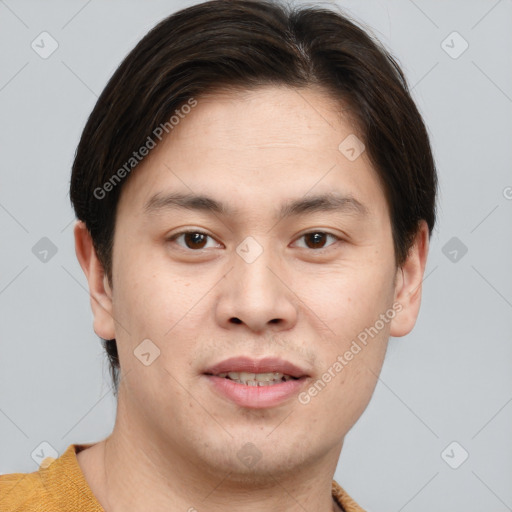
x=408 y=284
x=99 y=289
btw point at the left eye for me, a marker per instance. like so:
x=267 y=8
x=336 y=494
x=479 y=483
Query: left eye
x=316 y=239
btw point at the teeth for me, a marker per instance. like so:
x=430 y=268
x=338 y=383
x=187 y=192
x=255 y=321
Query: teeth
x=262 y=377
x=256 y=379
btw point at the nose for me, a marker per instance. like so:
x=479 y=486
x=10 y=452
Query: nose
x=257 y=293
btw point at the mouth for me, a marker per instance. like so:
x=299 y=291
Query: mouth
x=256 y=379
x=253 y=383
x=248 y=370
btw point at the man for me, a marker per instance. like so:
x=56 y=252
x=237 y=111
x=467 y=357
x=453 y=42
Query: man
x=255 y=192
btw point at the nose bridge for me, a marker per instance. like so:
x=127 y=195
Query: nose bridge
x=252 y=263
x=253 y=293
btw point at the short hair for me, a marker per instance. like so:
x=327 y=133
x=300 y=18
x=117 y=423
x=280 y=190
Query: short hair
x=243 y=44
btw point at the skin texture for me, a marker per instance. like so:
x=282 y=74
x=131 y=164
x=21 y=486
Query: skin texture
x=175 y=442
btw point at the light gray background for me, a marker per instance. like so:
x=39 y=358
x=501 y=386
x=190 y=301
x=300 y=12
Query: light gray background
x=449 y=380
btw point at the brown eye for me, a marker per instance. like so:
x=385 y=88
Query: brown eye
x=194 y=240
x=317 y=239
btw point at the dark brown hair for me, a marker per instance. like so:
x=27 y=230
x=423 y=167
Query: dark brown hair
x=245 y=44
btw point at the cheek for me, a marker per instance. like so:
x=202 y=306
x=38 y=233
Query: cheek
x=351 y=304
x=353 y=355
x=153 y=301
x=148 y=294
x=350 y=298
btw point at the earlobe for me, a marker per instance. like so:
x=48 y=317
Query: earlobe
x=409 y=284
x=99 y=290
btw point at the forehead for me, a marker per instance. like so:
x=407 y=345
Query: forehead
x=267 y=117
x=264 y=142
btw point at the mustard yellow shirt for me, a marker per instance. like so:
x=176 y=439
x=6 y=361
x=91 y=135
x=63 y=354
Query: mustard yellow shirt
x=60 y=486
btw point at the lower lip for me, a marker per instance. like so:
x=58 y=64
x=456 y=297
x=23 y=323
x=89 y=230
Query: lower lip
x=256 y=397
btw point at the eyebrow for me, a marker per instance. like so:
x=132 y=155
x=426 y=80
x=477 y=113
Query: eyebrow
x=317 y=203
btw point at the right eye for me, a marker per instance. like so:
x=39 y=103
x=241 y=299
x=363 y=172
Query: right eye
x=192 y=239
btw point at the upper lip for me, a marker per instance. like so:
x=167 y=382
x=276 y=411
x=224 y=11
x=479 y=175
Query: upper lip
x=250 y=365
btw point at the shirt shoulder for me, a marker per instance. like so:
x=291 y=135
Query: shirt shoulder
x=19 y=490
x=57 y=486
x=343 y=499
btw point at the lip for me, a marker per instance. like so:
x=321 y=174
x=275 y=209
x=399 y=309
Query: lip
x=265 y=365
x=256 y=397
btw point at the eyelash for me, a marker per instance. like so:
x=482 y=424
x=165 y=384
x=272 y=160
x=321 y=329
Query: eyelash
x=195 y=231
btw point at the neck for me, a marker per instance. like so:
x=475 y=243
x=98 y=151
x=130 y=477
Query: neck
x=130 y=470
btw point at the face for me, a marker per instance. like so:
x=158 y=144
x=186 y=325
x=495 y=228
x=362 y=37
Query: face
x=291 y=257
